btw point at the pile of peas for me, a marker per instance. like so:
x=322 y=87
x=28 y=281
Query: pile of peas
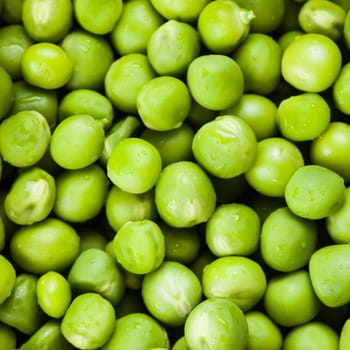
x=174 y=174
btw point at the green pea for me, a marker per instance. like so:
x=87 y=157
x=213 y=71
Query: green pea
x=94 y=270
x=131 y=159
x=216 y=321
x=233 y=229
x=344 y=338
x=89 y=321
x=24 y=138
x=171 y=292
x=341 y=91
x=287 y=38
x=314 y=192
x=8 y=278
x=163 y=103
x=199 y=115
x=77 y=141
x=47 y=245
x=31 y=197
x=48 y=20
x=14 y=40
x=98 y=17
x=184 y=195
x=137 y=22
x=237 y=278
x=7 y=92
x=180 y=344
x=8 y=339
x=204 y=258
x=226 y=146
x=122 y=206
x=287 y=241
x=53 y=293
x=91 y=238
x=137 y=331
x=21 y=310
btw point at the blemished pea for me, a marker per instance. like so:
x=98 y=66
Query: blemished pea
x=262 y=331
x=94 y=270
x=328 y=268
x=97 y=17
x=226 y=146
x=139 y=246
x=7 y=92
x=53 y=293
x=136 y=24
x=290 y=299
x=80 y=193
x=303 y=117
x=311 y=336
x=14 y=40
x=8 y=337
x=172 y=47
x=314 y=192
x=311 y=63
x=216 y=321
x=125 y=78
x=84 y=49
x=89 y=321
x=276 y=161
x=287 y=241
x=48 y=20
x=233 y=229
x=46 y=65
x=122 y=206
x=7 y=278
x=31 y=197
x=77 y=141
x=24 y=138
x=163 y=103
x=264 y=77
x=137 y=331
x=215 y=81
x=57 y=250
x=171 y=292
x=134 y=165
x=184 y=195
x=244 y=282
x=223 y=25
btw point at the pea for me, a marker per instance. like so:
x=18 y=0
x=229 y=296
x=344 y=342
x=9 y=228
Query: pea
x=180 y=344
x=91 y=238
x=287 y=38
x=344 y=336
x=341 y=91
x=8 y=338
x=7 y=92
x=58 y=249
x=8 y=278
x=12 y=11
x=31 y=197
x=53 y=293
x=89 y=321
x=24 y=138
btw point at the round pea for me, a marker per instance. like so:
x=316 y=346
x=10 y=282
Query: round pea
x=7 y=278
x=344 y=337
x=7 y=92
x=341 y=91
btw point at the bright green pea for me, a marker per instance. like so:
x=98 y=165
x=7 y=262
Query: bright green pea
x=137 y=331
x=47 y=245
x=53 y=293
x=287 y=241
x=216 y=321
x=314 y=192
x=344 y=337
x=215 y=81
x=122 y=206
x=134 y=165
x=237 y=278
x=31 y=197
x=47 y=20
x=180 y=344
x=85 y=49
x=184 y=195
x=7 y=92
x=226 y=146
x=94 y=270
x=96 y=16
x=139 y=246
x=14 y=40
x=341 y=91
x=7 y=278
x=89 y=321
x=46 y=65
x=172 y=47
x=276 y=161
x=163 y=103
x=303 y=117
x=171 y=292
x=125 y=78
x=24 y=138
x=77 y=141
x=80 y=193
x=8 y=338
